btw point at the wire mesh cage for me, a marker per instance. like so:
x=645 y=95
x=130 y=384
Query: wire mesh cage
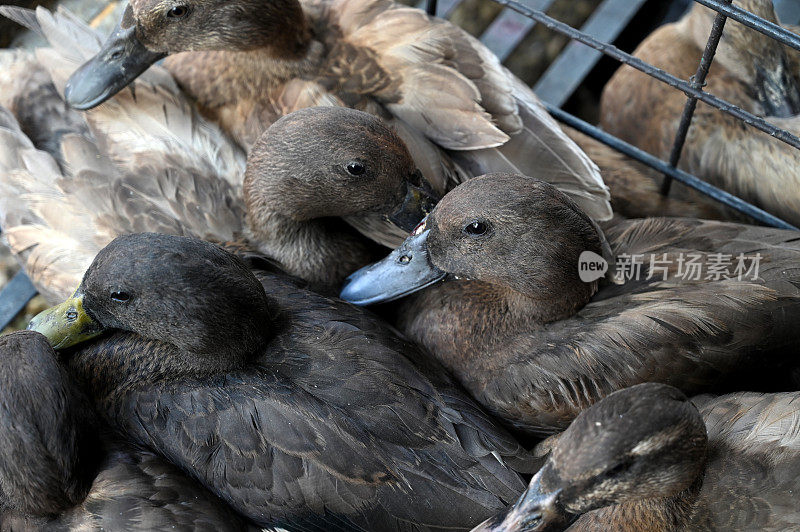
x=570 y=69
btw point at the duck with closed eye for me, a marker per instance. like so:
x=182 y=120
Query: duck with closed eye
x=298 y=410
x=500 y=300
x=648 y=458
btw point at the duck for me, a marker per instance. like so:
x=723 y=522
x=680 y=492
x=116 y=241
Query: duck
x=751 y=71
x=317 y=192
x=296 y=409
x=60 y=469
x=649 y=458
x=635 y=189
x=539 y=313
x=248 y=62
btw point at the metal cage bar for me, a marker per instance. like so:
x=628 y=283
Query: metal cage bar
x=14 y=296
x=770 y=29
x=698 y=81
x=673 y=81
x=665 y=168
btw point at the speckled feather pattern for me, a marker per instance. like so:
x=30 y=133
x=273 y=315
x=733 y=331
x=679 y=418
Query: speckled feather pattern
x=299 y=437
x=538 y=360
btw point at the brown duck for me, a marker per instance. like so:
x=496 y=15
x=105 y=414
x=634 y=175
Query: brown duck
x=645 y=458
x=149 y=162
x=297 y=410
x=60 y=470
x=249 y=62
x=635 y=187
x=751 y=71
x=506 y=310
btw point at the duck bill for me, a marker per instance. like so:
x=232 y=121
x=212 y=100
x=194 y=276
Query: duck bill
x=66 y=324
x=406 y=270
x=120 y=61
x=417 y=204
x=537 y=510
x=778 y=91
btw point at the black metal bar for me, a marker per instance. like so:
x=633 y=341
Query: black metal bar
x=441 y=9
x=431 y=7
x=755 y=22
x=698 y=81
x=657 y=164
x=669 y=79
x=14 y=296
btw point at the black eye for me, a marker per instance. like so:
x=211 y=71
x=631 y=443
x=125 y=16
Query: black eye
x=178 y=12
x=356 y=168
x=476 y=228
x=120 y=297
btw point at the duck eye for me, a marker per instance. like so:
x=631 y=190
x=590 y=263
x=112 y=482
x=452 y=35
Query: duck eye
x=356 y=168
x=476 y=228
x=178 y=12
x=120 y=297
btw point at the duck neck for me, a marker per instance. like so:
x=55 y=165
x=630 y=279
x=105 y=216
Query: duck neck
x=219 y=78
x=285 y=34
x=657 y=514
x=120 y=362
x=464 y=322
x=322 y=251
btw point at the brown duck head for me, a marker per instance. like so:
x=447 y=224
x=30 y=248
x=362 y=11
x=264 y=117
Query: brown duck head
x=644 y=443
x=152 y=29
x=189 y=294
x=762 y=63
x=333 y=162
x=513 y=232
x=318 y=166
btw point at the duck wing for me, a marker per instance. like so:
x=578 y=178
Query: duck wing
x=333 y=427
x=478 y=432
x=144 y=161
x=695 y=335
x=55 y=244
x=138 y=490
x=439 y=80
x=761 y=176
x=634 y=187
x=320 y=436
x=753 y=463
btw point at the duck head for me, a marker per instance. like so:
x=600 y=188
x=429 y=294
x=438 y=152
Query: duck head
x=152 y=29
x=647 y=441
x=182 y=291
x=44 y=426
x=756 y=59
x=506 y=230
x=333 y=162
